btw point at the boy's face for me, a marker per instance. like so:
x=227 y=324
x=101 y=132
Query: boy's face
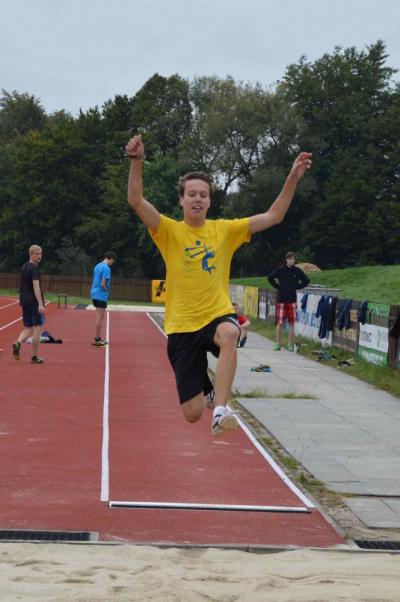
x=36 y=256
x=290 y=261
x=195 y=200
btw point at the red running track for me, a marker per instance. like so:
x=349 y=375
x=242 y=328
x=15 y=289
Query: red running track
x=51 y=434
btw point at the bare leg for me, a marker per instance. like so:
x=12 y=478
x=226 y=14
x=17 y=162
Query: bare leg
x=100 y=313
x=25 y=334
x=291 y=334
x=278 y=335
x=35 y=340
x=193 y=409
x=225 y=337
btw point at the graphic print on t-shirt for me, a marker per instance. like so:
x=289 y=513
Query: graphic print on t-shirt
x=201 y=249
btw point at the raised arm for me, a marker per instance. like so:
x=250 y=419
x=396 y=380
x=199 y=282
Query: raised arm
x=145 y=210
x=275 y=214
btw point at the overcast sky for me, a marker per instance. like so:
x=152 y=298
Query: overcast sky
x=74 y=54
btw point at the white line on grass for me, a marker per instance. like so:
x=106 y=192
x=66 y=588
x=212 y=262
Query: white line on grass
x=263 y=452
x=105 y=470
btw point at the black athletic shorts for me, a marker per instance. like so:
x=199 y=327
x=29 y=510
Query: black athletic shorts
x=187 y=352
x=98 y=303
x=31 y=316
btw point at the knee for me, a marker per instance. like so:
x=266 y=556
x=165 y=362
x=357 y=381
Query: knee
x=193 y=409
x=228 y=338
x=190 y=415
x=191 y=418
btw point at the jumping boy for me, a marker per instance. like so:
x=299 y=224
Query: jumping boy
x=197 y=252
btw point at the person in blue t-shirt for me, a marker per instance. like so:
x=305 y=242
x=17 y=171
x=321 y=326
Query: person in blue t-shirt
x=100 y=293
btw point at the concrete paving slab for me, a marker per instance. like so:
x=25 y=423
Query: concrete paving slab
x=376 y=512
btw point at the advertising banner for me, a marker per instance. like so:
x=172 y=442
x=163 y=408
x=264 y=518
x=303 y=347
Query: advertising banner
x=271 y=301
x=262 y=304
x=158 y=291
x=373 y=344
x=250 y=301
x=236 y=293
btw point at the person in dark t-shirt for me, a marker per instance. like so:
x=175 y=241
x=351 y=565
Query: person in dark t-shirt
x=32 y=302
x=287 y=279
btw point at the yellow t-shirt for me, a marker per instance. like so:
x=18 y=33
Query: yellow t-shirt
x=198 y=262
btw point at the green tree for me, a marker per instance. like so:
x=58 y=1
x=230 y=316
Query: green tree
x=231 y=125
x=19 y=113
x=47 y=191
x=162 y=112
x=343 y=100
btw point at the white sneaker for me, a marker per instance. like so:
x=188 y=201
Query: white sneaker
x=224 y=422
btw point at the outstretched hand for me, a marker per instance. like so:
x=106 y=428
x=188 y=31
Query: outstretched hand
x=301 y=164
x=135 y=146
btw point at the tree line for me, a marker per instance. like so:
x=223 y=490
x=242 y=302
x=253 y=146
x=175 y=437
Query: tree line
x=63 y=179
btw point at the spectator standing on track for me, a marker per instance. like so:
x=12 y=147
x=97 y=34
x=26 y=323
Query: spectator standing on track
x=197 y=253
x=244 y=324
x=100 y=292
x=287 y=280
x=32 y=302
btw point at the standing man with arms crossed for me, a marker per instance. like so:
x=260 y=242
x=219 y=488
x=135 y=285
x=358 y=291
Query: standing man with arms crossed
x=197 y=252
x=32 y=302
x=287 y=280
x=100 y=293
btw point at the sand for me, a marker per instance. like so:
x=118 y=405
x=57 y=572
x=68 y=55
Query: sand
x=96 y=573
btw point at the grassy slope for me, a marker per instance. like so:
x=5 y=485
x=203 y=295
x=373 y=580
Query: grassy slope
x=380 y=284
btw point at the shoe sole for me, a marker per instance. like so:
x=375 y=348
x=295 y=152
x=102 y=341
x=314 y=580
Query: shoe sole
x=229 y=424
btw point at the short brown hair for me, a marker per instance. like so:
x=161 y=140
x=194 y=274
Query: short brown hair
x=290 y=254
x=195 y=175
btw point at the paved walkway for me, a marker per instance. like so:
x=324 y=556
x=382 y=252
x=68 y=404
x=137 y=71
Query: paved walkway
x=343 y=431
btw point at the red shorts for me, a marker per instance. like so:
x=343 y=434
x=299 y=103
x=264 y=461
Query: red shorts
x=285 y=310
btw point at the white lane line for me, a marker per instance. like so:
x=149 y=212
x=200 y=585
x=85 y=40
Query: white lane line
x=224 y=507
x=263 y=452
x=17 y=320
x=105 y=468
x=275 y=466
x=9 y=305
x=10 y=323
